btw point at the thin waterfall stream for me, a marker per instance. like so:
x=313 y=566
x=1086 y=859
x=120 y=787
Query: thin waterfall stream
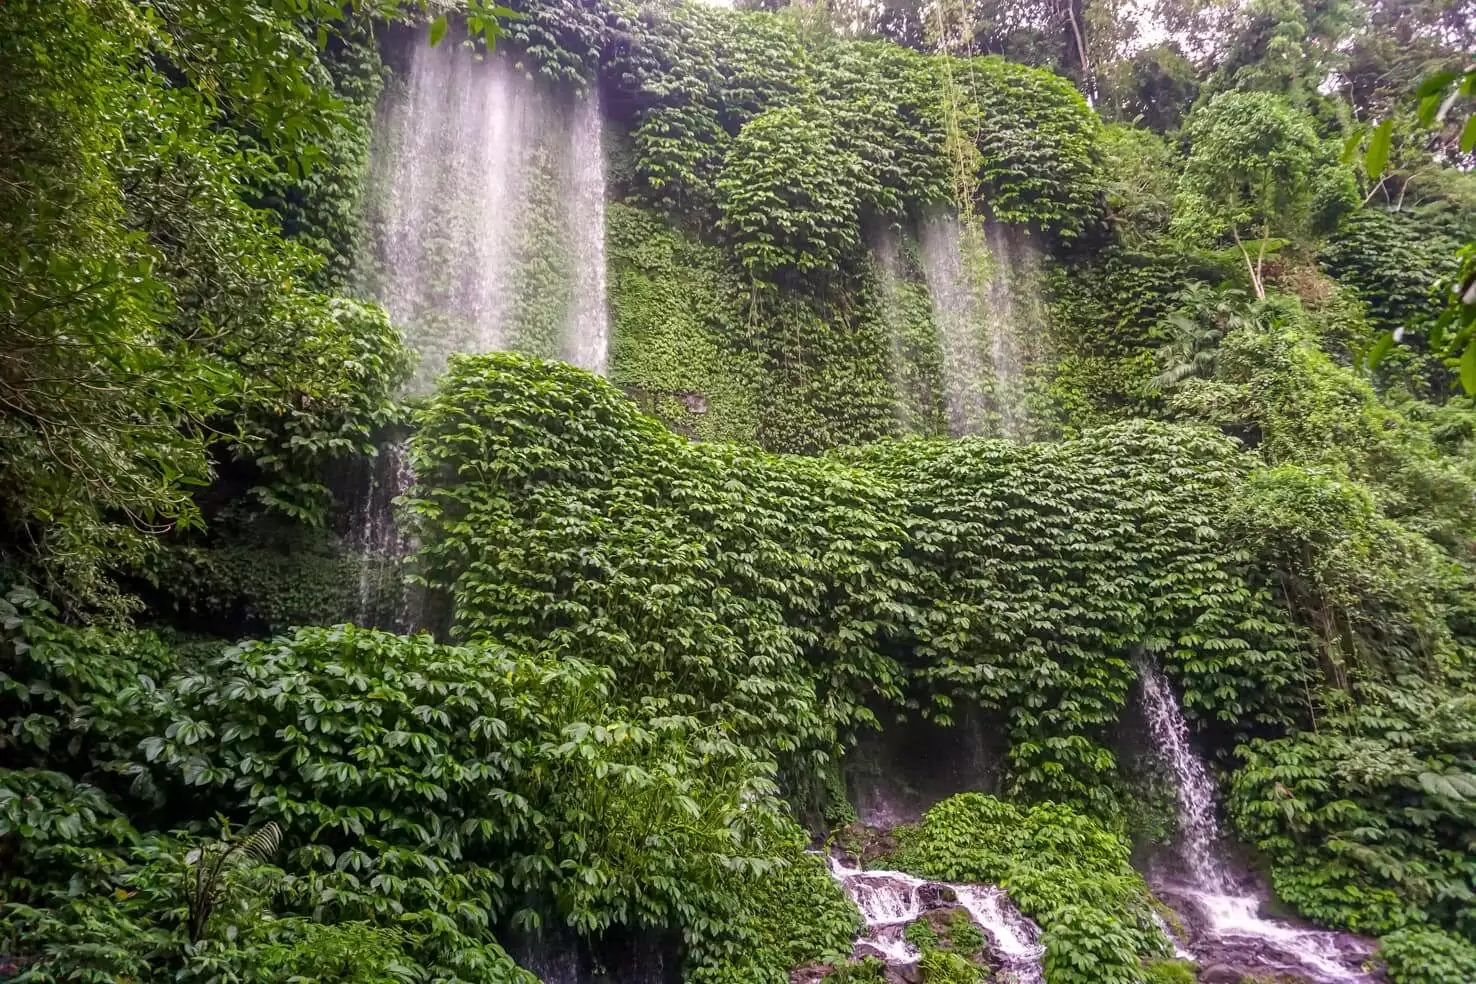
x=1221 y=907
x=891 y=900
x=383 y=544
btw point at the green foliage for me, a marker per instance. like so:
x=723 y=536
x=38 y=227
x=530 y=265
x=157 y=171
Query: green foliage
x=675 y=308
x=1169 y=972
x=945 y=967
x=1425 y=957
x=1139 y=169
x=948 y=950
x=1393 y=260
x=347 y=370
x=561 y=38
x=1249 y=174
x=920 y=933
x=867 y=971
x=438 y=790
x=793 y=915
x=963 y=935
x=127 y=356
x=1369 y=588
x=786 y=196
x=655 y=632
x=1035 y=143
x=1106 y=320
x=696 y=77
x=1373 y=567
x=124 y=912
x=1366 y=821
x=262 y=577
x=321 y=208
x=783 y=596
x=1063 y=869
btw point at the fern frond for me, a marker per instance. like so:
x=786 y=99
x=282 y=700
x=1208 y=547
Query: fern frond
x=264 y=842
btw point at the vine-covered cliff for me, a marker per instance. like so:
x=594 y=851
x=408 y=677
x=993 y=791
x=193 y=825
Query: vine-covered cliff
x=640 y=492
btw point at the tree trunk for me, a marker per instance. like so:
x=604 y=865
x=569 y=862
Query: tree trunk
x=1254 y=269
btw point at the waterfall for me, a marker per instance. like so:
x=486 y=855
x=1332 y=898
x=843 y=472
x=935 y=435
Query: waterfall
x=382 y=544
x=958 y=312
x=484 y=231
x=915 y=359
x=1198 y=828
x=890 y=900
x=1013 y=300
x=889 y=280
x=1222 y=911
x=485 y=216
x=983 y=283
x=587 y=326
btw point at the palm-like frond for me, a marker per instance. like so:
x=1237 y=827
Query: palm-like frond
x=264 y=842
x=210 y=864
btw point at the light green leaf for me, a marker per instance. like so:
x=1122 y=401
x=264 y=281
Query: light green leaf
x=1376 y=157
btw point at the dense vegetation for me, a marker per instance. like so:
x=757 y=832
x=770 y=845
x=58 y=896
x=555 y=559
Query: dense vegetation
x=1222 y=284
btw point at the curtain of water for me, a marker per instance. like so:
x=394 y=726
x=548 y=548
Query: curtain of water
x=382 y=544
x=889 y=281
x=485 y=222
x=984 y=284
x=485 y=231
x=1198 y=828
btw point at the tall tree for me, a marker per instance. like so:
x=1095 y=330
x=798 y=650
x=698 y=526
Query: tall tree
x=1249 y=175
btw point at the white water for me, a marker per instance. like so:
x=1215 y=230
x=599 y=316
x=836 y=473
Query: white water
x=382 y=544
x=486 y=212
x=1228 y=909
x=985 y=295
x=889 y=279
x=890 y=900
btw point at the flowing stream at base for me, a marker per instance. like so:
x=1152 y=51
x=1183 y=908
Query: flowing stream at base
x=890 y=900
x=1222 y=911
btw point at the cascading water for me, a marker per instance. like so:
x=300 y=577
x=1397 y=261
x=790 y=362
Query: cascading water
x=889 y=280
x=958 y=312
x=1225 y=924
x=975 y=276
x=1013 y=265
x=1198 y=827
x=890 y=900
x=915 y=363
x=382 y=544
x=485 y=231
x=485 y=225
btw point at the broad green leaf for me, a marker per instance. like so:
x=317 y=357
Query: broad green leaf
x=1376 y=157
x=1380 y=349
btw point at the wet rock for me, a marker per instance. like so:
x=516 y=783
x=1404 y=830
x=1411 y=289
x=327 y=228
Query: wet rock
x=865 y=844
x=809 y=974
x=1226 y=974
x=693 y=401
x=933 y=896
